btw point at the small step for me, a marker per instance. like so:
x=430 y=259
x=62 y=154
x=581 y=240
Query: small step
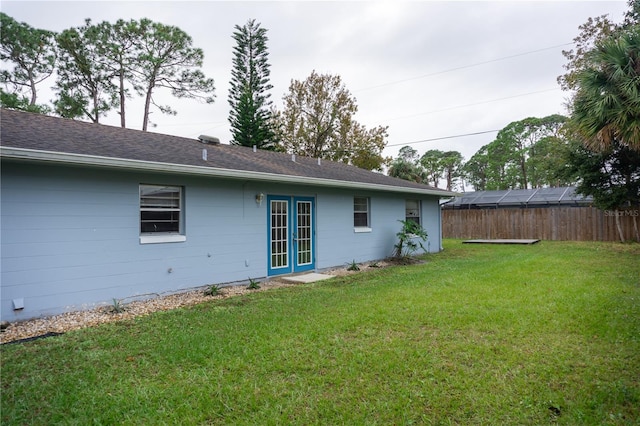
x=502 y=241
x=306 y=278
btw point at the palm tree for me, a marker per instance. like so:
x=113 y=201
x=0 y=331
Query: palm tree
x=606 y=107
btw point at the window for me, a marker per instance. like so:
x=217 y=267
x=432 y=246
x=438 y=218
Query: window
x=361 y=212
x=160 y=213
x=413 y=211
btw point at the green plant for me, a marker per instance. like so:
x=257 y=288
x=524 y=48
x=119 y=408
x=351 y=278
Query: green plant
x=561 y=349
x=353 y=266
x=410 y=238
x=374 y=265
x=212 y=290
x=117 y=307
x=253 y=284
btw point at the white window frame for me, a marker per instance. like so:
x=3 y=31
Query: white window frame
x=412 y=212
x=367 y=211
x=154 y=237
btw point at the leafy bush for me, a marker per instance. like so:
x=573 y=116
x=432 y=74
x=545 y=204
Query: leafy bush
x=253 y=284
x=117 y=307
x=410 y=238
x=212 y=290
x=353 y=266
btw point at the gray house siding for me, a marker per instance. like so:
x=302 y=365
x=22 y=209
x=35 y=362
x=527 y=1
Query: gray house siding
x=70 y=235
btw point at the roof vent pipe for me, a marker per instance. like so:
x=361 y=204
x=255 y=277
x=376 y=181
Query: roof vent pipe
x=255 y=148
x=204 y=154
x=211 y=140
x=293 y=158
x=319 y=161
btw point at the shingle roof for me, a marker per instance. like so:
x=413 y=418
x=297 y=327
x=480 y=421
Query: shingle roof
x=46 y=134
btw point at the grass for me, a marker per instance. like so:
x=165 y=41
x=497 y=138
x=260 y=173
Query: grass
x=477 y=335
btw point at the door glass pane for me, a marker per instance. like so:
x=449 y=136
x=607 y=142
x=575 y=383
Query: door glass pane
x=279 y=233
x=303 y=233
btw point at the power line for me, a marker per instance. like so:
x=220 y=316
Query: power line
x=443 y=138
x=463 y=67
x=474 y=104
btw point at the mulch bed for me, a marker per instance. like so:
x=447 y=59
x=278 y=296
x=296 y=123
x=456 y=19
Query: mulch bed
x=37 y=328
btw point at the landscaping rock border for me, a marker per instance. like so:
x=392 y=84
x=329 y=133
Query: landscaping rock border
x=54 y=325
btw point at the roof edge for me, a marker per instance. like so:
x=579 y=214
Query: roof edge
x=128 y=164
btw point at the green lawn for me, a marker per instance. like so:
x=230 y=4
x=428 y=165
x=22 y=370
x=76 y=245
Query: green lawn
x=479 y=334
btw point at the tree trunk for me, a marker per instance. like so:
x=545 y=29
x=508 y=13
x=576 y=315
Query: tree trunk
x=122 y=100
x=147 y=104
x=34 y=92
x=619 y=227
x=96 y=110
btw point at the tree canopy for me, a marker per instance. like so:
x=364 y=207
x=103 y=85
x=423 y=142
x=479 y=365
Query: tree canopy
x=406 y=166
x=524 y=155
x=592 y=32
x=167 y=60
x=430 y=168
x=318 y=121
x=605 y=113
x=606 y=106
x=99 y=66
x=84 y=85
x=250 y=115
x=32 y=53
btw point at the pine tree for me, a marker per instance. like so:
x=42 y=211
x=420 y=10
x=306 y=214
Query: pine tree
x=250 y=115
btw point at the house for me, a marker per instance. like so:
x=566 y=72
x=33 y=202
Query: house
x=92 y=213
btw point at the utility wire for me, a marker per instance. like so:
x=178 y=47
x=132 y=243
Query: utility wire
x=463 y=67
x=443 y=138
x=474 y=104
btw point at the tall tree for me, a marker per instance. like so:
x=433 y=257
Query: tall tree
x=611 y=176
x=547 y=162
x=84 y=84
x=606 y=106
x=521 y=156
x=166 y=59
x=250 y=114
x=406 y=166
x=438 y=165
x=431 y=162
x=592 y=32
x=32 y=53
x=317 y=121
x=361 y=147
x=475 y=169
x=452 y=168
x=520 y=138
x=490 y=167
x=605 y=111
x=406 y=153
x=118 y=50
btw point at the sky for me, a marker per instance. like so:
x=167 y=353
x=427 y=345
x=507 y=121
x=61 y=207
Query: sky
x=441 y=75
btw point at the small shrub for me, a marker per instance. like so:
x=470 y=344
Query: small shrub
x=212 y=290
x=353 y=266
x=374 y=265
x=410 y=238
x=253 y=284
x=117 y=307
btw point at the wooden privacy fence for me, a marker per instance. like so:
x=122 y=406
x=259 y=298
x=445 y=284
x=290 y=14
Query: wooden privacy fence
x=548 y=223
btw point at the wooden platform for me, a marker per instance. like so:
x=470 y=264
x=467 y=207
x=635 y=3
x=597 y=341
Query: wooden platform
x=501 y=241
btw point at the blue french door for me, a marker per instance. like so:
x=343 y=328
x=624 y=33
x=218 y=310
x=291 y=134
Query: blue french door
x=291 y=231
